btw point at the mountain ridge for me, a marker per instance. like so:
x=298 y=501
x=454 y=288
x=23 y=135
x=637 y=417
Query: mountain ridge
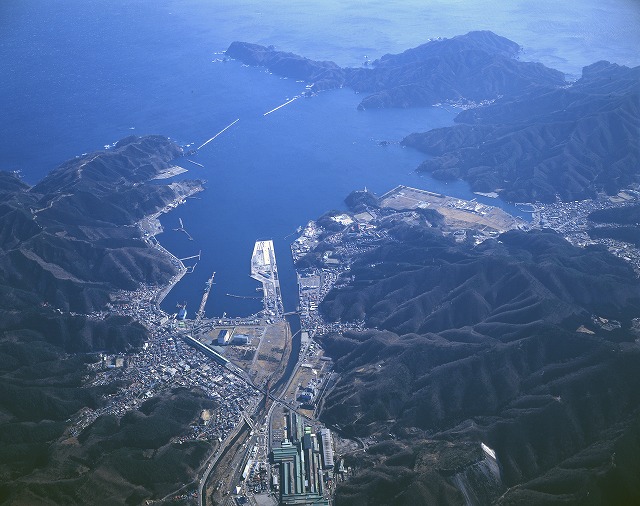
x=67 y=245
x=568 y=143
x=72 y=238
x=524 y=132
x=496 y=344
x=438 y=71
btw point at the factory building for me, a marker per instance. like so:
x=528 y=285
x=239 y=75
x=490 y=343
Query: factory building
x=305 y=397
x=206 y=350
x=300 y=461
x=240 y=339
x=226 y=337
x=327 y=449
x=223 y=337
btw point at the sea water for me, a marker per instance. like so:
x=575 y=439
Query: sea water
x=78 y=75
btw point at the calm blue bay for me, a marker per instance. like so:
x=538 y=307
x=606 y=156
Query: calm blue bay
x=77 y=75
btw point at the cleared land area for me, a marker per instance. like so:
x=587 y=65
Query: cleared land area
x=458 y=213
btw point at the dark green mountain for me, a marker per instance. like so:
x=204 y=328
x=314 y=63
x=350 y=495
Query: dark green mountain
x=473 y=67
x=568 y=141
x=505 y=344
x=66 y=245
x=526 y=134
x=71 y=240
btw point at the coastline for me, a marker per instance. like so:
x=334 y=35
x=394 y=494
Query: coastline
x=150 y=227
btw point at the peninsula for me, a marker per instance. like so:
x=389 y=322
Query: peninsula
x=70 y=247
x=524 y=132
x=476 y=67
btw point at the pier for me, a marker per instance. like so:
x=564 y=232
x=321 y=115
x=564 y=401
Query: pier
x=280 y=106
x=265 y=270
x=191 y=257
x=195 y=163
x=205 y=296
x=242 y=296
x=182 y=229
x=216 y=135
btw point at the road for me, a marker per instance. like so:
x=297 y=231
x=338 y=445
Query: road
x=220 y=452
x=258 y=415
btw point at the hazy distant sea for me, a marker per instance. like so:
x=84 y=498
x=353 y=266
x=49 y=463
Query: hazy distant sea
x=77 y=75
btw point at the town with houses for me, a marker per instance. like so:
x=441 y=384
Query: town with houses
x=286 y=455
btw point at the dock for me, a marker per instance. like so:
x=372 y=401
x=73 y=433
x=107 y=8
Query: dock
x=195 y=163
x=182 y=229
x=246 y=297
x=205 y=296
x=191 y=257
x=265 y=270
